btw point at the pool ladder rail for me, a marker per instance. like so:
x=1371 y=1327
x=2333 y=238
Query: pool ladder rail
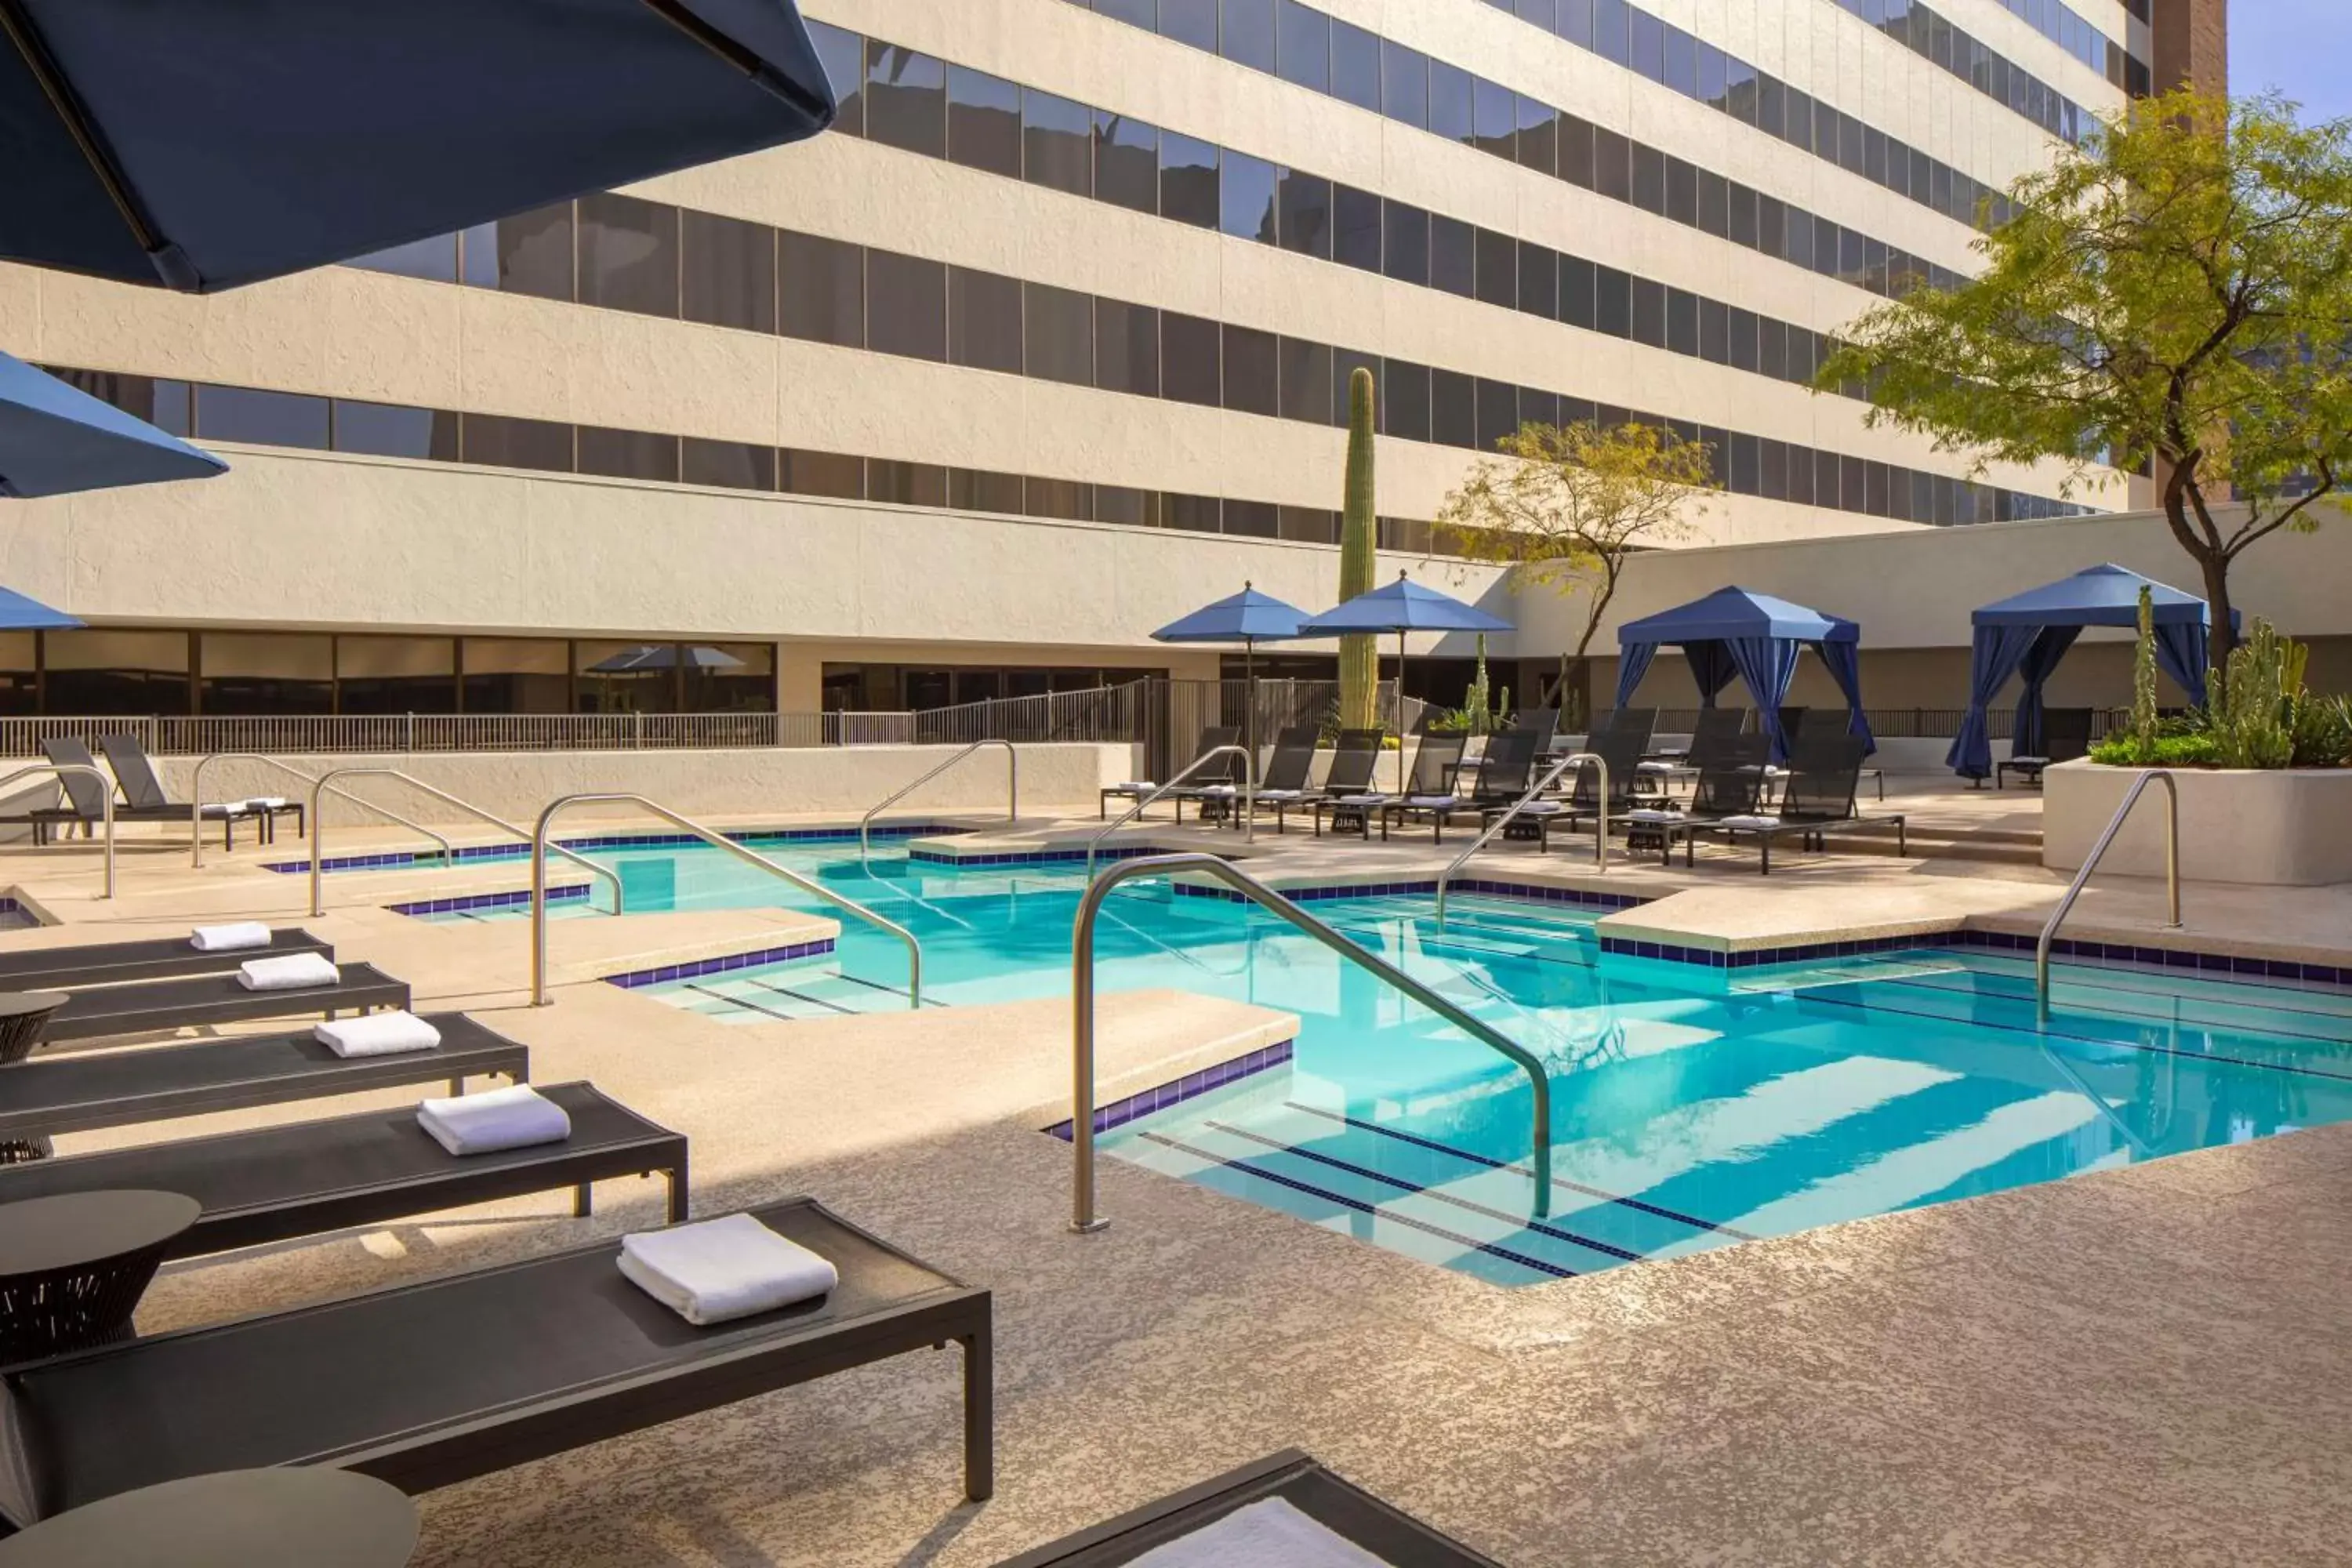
x=1012 y=793
x=540 y=844
x=63 y=771
x=1085 y=1217
x=2091 y=863
x=1249 y=798
x=1535 y=792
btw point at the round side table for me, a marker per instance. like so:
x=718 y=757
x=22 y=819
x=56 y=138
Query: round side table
x=296 y=1516
x=72 y=1268
x=24 y=1015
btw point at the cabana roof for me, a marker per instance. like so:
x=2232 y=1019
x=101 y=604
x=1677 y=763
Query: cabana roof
x=2102 y=596
x=1735 y=611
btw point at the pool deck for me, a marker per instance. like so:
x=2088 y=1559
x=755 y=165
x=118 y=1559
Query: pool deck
x=2136 y=1366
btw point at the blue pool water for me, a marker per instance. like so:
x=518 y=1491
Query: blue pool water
x=1690 y=1109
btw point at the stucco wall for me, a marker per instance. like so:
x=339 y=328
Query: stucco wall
x=2292 y=827
x=518 y=785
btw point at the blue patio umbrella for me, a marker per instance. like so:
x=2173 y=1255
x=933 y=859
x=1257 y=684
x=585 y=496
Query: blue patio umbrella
x=1404 y=606
x=19 y=614
x=204 y=146
x=56 y=438
x=1249 y=618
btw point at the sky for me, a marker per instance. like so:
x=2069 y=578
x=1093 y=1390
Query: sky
x=2303 y=47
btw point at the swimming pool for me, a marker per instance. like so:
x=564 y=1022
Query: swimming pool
x=1692 y=1108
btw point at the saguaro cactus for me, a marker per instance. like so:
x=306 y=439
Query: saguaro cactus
x=1360 y=663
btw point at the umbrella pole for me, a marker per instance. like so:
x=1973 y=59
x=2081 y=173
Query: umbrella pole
x=1400 y=711
x=1249 y=729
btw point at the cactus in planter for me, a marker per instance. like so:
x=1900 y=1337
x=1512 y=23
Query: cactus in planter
x=1482 y=716
x=2256 y=700
x=2144 y=681
x=1360 y=664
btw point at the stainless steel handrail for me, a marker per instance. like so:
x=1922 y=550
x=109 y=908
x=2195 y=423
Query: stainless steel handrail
x=448 y=854
x=2090 y=863
x=710 y=835
x=1083 y=1217
x=1599 y=837
x=105 y=788
x=196 y=800
x=1249 y=798
x=1012 y=792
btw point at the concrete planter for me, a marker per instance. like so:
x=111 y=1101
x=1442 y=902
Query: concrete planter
x=2286 y=828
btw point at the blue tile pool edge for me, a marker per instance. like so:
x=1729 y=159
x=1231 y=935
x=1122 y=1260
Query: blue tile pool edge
x=637 y=979
x=751 y=837
x=426 y=908
x=2097 y=954
x=1529 y=891
x=1191 y=1086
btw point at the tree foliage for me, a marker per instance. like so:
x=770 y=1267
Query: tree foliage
x=2174 y=295
x=1567 y=507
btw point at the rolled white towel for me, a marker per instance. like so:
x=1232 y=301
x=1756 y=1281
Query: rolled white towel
x=230 y=938
x=294 y=972
x=514 y=1118
x=262 y=803
x=1652 y=814
x=376 y=1035
x=717 y=1269
x=1750 y=821
x=1433 y=802
x=1134 y=787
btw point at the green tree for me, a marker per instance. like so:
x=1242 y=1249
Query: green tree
x=1359 y=658
x=1568 y=507
x=2174 y=294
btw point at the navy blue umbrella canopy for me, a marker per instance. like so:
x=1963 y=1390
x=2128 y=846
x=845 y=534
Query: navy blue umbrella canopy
x=2027 y=634
x=1402 y=606
x=19 y=614
x=1756 y=636
x=202 y=146
x=1249 y=618
x=55 y=439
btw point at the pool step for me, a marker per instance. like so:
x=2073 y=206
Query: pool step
x=786 y=993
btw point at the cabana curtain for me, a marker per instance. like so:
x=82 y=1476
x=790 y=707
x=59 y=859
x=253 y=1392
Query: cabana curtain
x=1735 y=631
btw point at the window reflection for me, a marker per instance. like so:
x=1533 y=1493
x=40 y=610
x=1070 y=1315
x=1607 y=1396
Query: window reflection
x=107 y=673
x=628 y=254
x=267 y=672
x=394 y=675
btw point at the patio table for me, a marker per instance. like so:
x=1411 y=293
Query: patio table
x=73 y=1266
x=232 y=1519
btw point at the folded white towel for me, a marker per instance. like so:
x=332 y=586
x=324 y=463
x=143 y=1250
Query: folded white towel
x=2029 y=762
x=1134 y=787
x=263 y=803
x=1752 y=821
x=1433 y=802
x=514 y=1118
x=291 y=973
x=377 y=1035
x=230 y=938
x=1363 y=800
x=720 y=1268
x=1651 y=814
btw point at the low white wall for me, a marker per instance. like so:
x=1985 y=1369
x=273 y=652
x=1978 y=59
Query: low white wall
x=837 y=779
x=2291 y=829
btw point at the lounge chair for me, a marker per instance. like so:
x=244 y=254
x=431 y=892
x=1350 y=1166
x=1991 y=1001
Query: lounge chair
x=274 y=1184
x=2066 y=735
x=1359 y=755
x=1621 y=751
x=1642 y=723
x=85 y=1090
x=1142 y=789
x=1543 y=723
x=427 y=1384
x=1380 y=1532
x=1713 y=728
x=1731 y=784
x=1834 y=722
x=1434 y=793
x=1816 y=800
x=1288 y=776
x=144 y=790
x=86 y=801
x=216 y=999
x=152 y=958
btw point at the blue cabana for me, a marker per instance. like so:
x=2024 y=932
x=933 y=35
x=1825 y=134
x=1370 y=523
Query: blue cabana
x=2027 y=634
x=1738 y=631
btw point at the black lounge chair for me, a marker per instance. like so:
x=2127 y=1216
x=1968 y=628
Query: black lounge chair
x=1350 y=1512
x=1359 y=755
x=216 y=999
x=2065 y=736
x=1714 y=728
x=1621 y=751
x=151 y=958
x=1433 y=793
x=1731 y=784
x=1641 y=723
x=1287 y=774
x=83 y=1090
x=135 y=771
x=1832 y=722
x=274 y=1184
x=86 y=801
x=427 y=1384
x=1139 y=790
x=1816 y=800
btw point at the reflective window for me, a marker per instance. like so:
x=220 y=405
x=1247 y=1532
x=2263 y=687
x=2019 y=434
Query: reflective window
x=973 y=490
x=1538 y=408
x=905 y=484
x=728 y=677
x=1192 y=356
x=1251 y=375
x=624 y=677
x=1057 y=143
x=1609 y=30
x=1453 y=113
x=1714 y=331
x=1143 y=14
x=628 y=454
x=1127 y=161
x=1682 y=193
x=1303 y=44
x=1747 y=467
x=1453 y=256
x=1404 y=400
x=821 y=474
x=1127 y=348
x=266 y=673
x=628 y=254
x=1575 y=22
x=1613 y=303
x=1247 y=209
x=1612 y=158
x=163 y=404
x=1540 y=12
x=1452 y=409
x=727 y=272
x=1135 y=508
x=1405 y=83
x=1252 y=519
x=1575 y=150
x=1539 y=281
x=1682 y=321
x=507 y=443
x=906 y=99
x=1192 y=22
x=1305 y=381
x=1771 y=348
x=1195 y=514
x=1649 y=179
x=265 y=418
x=1405 y=249
x=907 y=305
x=983 y=321
x=1645 y=45
x=1310 y=525
x=1682 y=62
x=1356 y=228
x=1495 y=118
x=396 y=674
x=823 y=294
x=1304 y=211
x=110 y=672
x=533 y=254
x=1740 y=229
x=1742 y=339
x=1576 y=283
x=1355 y=65
x=1073 y=500
x=388 y=430
x=733 y=465
x=514 y=675
x=1497 y=269
x=1188 y=180
x=1344 y=365
x=1247 y=35
x=983 y=122
x=435 y=259
x=842 y=55
x=1538 y=135
x=1058 y=332
x=1649 y=312
x=1498 y=413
